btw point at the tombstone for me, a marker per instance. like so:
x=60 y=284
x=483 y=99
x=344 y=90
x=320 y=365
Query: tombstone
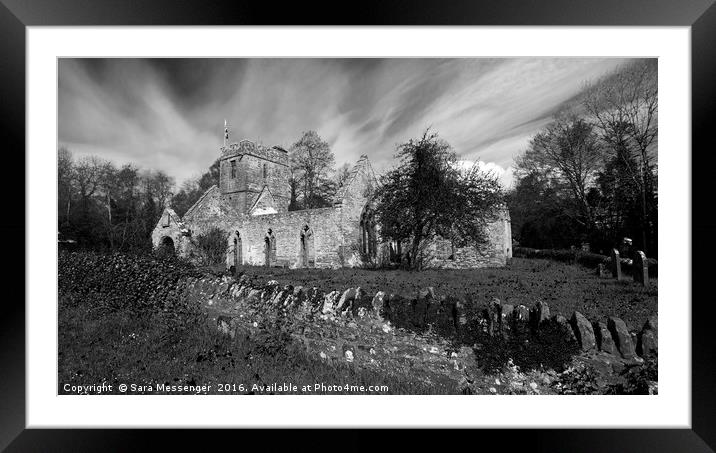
x=616 y=265
x=640 y=268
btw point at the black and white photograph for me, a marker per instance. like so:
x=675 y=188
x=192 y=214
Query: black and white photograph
x=357 y=226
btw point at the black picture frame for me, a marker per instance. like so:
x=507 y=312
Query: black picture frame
x=16 y=15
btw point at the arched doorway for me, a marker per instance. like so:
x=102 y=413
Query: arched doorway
x=166 y=247
x=308 y=251
x=269 y=248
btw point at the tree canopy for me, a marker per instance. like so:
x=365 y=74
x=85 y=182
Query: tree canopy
x=429 y=195
x=312 y=162
x=594 y=167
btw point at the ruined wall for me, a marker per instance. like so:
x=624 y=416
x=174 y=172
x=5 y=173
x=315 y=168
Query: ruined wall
x=353 y=198
x=171 y=226
x=495 y=252
x=336 y=232
x=286 y=227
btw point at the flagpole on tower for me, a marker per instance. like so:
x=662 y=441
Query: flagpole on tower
x=226 y=132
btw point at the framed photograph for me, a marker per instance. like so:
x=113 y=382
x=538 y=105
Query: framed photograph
x=448 y=217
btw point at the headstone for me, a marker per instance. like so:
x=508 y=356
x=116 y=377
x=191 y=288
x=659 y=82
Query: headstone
x=616 y=265
x=640 y=268
x=604 y=338
x=584 y=332
x=621 y=337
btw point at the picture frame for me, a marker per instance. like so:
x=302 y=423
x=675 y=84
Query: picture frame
x=16 y=16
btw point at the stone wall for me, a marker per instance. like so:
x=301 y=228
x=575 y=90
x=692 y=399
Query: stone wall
x=324 y=225
x=425 y=335
x=495 y=252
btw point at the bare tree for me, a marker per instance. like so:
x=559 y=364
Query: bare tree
x=312 y=163
x=65 y=177
x=569 y=154
x=625 y=107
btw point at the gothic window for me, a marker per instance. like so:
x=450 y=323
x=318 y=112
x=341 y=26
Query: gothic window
x=270 y=248
x=233 y=169
x=308 y=253
x=368 y=239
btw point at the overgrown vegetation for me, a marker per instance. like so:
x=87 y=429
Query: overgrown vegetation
x=124 y=322
x=212 y=246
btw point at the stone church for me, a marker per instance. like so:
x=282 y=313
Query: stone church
x=251 y=206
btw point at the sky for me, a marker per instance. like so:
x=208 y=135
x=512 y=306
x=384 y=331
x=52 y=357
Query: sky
x=168 y=114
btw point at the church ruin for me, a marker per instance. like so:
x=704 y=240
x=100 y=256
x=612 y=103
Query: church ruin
x=250 y=205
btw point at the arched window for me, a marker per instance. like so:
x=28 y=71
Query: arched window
x=308 y=252
x=368 y=239
x=270 y=248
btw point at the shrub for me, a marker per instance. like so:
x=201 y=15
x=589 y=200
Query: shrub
x=115 y=280
x=212 y=246
x=639 y=380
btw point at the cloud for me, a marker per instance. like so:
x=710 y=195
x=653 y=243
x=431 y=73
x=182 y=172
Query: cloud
x=168 y=114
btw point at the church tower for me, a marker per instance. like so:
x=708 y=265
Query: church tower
x=249 y=170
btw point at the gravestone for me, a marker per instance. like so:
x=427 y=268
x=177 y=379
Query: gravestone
x=640 y=268
x=616 y=265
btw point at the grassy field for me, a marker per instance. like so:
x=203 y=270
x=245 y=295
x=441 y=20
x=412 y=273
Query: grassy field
x=152 y=348
x=564 y=287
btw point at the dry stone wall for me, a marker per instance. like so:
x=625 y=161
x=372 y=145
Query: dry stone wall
x=426 y=335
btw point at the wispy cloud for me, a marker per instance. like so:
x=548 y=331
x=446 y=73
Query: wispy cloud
x=168 y=113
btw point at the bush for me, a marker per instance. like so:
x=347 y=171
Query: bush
x=115 y=280
x=212 y=246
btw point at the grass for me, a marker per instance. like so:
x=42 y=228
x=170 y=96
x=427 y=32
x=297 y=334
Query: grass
x=564 y=287
x=152 y=348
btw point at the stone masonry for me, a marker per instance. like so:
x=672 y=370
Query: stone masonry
x=250 y=205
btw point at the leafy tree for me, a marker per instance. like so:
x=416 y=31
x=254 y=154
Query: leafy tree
x=427 y=196
x=538 y=216
x=312 y=162
x=342 y=175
